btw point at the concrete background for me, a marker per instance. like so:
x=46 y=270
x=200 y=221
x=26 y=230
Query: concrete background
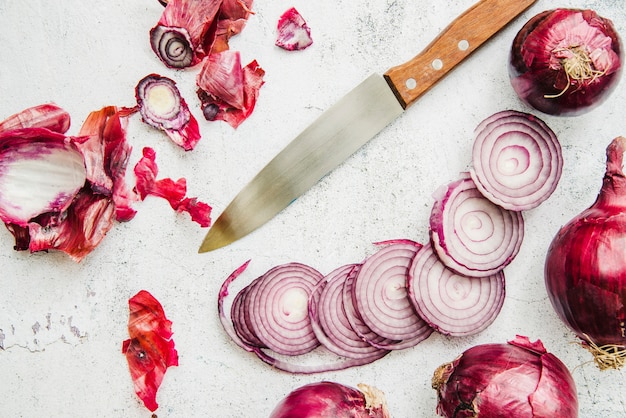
x=62 y=324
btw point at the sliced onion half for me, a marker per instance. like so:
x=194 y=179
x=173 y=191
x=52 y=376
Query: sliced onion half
x=517 y=160
x=330 y=322
x=451 y=303
x=381 y=295
x=41 y=171
x=472 y=235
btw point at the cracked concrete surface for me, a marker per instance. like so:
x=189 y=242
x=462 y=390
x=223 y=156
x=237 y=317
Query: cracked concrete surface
x=62 y=324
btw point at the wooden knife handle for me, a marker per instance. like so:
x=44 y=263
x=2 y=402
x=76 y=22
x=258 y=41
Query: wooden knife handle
x=462 y=37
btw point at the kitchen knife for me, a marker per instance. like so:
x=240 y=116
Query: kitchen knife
x=354 y=120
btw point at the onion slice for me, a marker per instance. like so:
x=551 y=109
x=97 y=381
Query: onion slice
x=517 y=160
x=472 y=235
x=381 y=295
x=451 y=303
x=162 y=107
x=330 y=322
x=293 y=32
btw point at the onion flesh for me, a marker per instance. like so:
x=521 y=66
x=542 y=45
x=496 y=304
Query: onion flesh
x=470 y=234
x=451 y=303
x=516 y=160
x=332 y=400
x=293 y=32
x=518 y=379
x=162 y=107
x=565 y=61
x=585 y=273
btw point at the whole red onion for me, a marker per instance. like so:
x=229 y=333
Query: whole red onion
x=332 y=400
x=585 y=270
x=515 y=380
x=565 y=61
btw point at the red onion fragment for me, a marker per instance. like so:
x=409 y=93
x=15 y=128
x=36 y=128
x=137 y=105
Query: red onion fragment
x=518 y=379
x=585 y=273
x=565 y=61
x=332 y=400
x=228 y=91
x=48 y=115
x=162 y=107
x=517 y=160
x=470 y=234
x=451 y=303
x=293 y=32
x=150 y=349
x=175 y=192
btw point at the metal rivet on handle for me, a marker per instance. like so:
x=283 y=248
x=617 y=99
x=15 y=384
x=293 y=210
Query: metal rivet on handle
x=463 y=45
x=410 y=83
x=437 y=64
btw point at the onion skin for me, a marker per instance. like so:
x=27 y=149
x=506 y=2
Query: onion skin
x=331 y=400
x=515 y=380
x=555 y=40
x=585 y=273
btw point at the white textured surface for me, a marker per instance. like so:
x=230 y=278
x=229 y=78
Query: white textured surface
x=62 y=324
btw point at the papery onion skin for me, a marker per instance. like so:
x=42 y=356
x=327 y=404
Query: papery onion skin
x=332 y=400
x=565 y=61
x=515 y=380
x=585 y=272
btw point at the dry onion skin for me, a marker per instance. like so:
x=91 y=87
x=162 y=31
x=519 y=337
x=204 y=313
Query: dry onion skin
x=516 y=160
x=565 y=61
x=585 y=273
x=293 y=32
x=470 y=234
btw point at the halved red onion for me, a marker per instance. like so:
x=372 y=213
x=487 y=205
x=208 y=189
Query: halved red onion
x=472 y=235
x=330 y=322
x=451 y=303
x=381 y=295
x=41 y=171
x=517 y=160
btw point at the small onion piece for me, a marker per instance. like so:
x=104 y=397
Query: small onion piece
x=381 y=295
x=472 y=235
x=173 y=46
x=518 y=379
x=451 y=303
x=162 y=107
x=517 y=160
x=293 y=32
x=332 y=400
x=565 y=61
x=48 y=115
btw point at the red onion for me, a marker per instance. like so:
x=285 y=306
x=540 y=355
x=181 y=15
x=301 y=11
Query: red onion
x=451 y=303
x=518 y=379
x=585 y=272
x=470 y=234
x=517 y=160
x=565 y=61
x=332 y=400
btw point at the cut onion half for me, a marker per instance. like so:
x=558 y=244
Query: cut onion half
x=472 y=235
x=330 y=322
x=381 y=295
x=451 y=303
x=517 y=160
x=41 y=171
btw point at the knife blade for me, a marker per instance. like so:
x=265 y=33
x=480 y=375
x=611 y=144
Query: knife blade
x=354 y=120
